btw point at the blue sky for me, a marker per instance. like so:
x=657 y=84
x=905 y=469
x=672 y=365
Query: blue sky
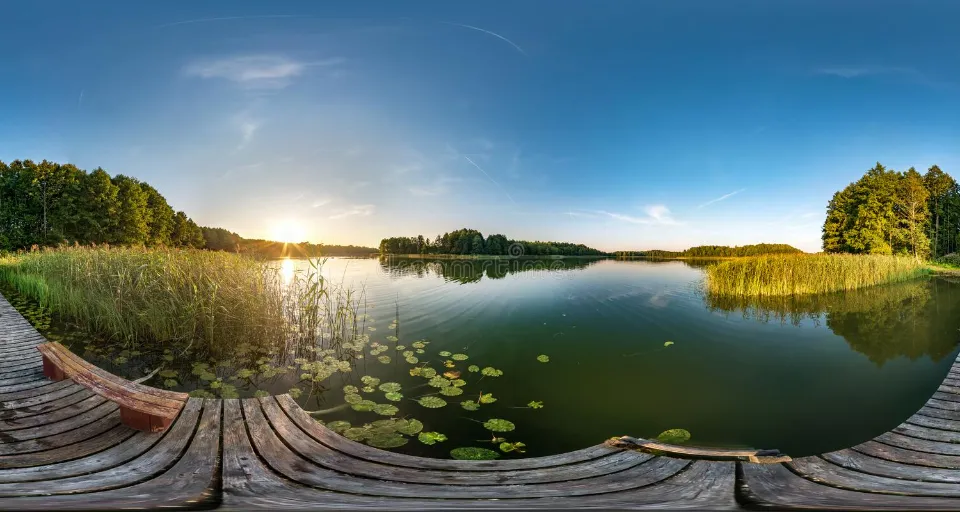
x=620 y=124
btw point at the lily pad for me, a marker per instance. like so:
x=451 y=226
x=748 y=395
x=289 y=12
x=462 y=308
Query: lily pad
x=384 y=359
x=518 y=447
x=338 y=426
x=364 y=406
x=487 y=399
x=432 y=402
x=667 y=343
x=459 y=357
x=409 y=427
x=431 y=437
x=458 y=383
x=412 y=360
x=428 y=373
x=498 y=425
x=392 y=338
x=674 y=436
x=535 y=405
x=449 y=364
x=473 y=368
x=470 y=405
x=388 y=387
x=355 y=433
x=473 y=453
x=385 y=409
x=452 y=375
x=347 y=390
x=368 y=389
x=490 y=371
x=438 y=382
x=389 y=441
x=416 y=371
x=451 y=391
x=294 y=392
x=369 y=381
x=444 y=353
x=352 y=398
x=393 y=396
x=543 y=358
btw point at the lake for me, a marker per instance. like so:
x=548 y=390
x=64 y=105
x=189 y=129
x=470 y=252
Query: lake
x=804 y=376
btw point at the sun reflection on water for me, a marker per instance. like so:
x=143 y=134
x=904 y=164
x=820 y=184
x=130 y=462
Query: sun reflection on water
x=286 y=270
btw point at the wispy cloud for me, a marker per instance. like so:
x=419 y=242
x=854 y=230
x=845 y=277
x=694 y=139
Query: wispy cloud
x=856 y=71
x=485 y=31
x=248 y=129
x=361 y=210
x=257 y=71
x=319 y=202
x=721 y=198
x=656 y=214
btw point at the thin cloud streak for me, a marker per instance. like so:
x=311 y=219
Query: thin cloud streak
x=657 y=214
x=485 y=31
x=489 y=178
x=721 y=198
x=227 y=18
x=362 y=210
x=264 y=71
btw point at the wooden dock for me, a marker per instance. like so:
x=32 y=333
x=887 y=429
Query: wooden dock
x=62 y=446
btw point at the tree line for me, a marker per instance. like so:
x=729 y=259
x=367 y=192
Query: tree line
x=47 y=204
x=471 y=241
x=715 y=251
x=890 y=212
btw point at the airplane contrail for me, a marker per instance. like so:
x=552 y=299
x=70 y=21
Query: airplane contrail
x=489 y=178
x=494 y=34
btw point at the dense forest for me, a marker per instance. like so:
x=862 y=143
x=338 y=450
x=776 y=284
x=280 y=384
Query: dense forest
x=48 y=204
x=890 y=212
x=715 y=251
x=471 y=241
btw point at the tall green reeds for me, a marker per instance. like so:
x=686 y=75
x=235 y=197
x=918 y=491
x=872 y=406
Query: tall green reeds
x=210 y=301
x=784 y=275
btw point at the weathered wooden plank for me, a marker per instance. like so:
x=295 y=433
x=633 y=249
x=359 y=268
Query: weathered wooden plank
x=13 y=388
x=935 y=422
x=824 y=472
x=307 y=447
x=945 y=405
x=88 y=446
x=94 y=425
x=857 y=461
x=907 y=456
x=930 y=434
x=247 y=483
x=938 y=413
x=287 y=463
x=145 y=467
x=27 y=378
x=775 y=486
x=191 y=482
x=19 y=373
x=117 y=454
x=17 y=396
x=47 y=412
x=344 y=445
x=64 y=424
x=14 y=407
x=920 y=445
x=70 y=362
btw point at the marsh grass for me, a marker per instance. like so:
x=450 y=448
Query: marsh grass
x=208 y=302
x=788 y=275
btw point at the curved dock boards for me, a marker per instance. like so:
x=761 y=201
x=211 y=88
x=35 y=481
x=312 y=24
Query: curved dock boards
x=914 y=466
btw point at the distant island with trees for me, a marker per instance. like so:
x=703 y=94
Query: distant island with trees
x=472 y=242
x=714 y=251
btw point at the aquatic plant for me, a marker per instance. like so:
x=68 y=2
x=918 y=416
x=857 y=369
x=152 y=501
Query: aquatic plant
x=784 y=275
x=472 y=453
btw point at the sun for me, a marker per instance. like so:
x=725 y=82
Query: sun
x=288 y=232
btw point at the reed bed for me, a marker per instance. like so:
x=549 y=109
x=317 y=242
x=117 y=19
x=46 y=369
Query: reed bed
x=211 y=301
x=787 y=275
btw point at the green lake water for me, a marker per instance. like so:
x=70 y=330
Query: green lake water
x=804 y=376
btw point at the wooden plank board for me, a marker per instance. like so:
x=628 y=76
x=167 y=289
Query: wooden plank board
x=97 y=443
x=344 y=445
x=44 y=413
x=147 y=466
x=857 y=461
x=773 y=486
x=24 y=406
x=91 y=426
x=823 y=471
x=907 y=456
x=320 y=454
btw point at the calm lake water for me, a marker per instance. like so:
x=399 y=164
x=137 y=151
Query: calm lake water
x=804 y=376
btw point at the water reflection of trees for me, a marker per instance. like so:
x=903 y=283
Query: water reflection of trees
x=883 y=322
x=473 y=270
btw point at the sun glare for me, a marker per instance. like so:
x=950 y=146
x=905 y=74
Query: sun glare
x=288 y=231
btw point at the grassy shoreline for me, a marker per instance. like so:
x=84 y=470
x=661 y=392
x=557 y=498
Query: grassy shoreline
x=771 y=276
x=490 y=257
